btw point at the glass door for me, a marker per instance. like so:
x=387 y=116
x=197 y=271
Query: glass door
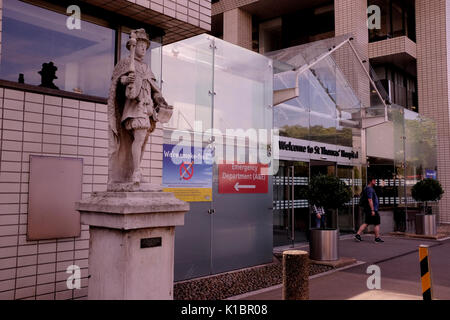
x=329 y=169
x=290 y=211
x=346 y=219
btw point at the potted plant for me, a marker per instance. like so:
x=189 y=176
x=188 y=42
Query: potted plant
x=424 y=191
x=329 y=193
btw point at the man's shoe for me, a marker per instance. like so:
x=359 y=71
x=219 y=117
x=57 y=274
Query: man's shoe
x=378 y=240
x=358 y=238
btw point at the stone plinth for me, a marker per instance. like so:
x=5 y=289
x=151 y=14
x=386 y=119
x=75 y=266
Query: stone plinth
x=131 y=249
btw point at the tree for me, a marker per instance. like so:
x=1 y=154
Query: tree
x=427 y=190
x=328 y=192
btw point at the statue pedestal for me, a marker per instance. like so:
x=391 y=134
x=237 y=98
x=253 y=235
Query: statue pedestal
x=131 y=247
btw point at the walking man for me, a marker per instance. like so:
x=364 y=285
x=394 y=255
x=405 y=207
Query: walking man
x=369 y=203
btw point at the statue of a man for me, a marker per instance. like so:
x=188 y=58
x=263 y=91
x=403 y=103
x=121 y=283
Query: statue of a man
x=135 y=104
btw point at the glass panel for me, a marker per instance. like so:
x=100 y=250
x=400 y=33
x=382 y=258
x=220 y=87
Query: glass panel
x=335 y=84
x=193 y=243
x=239 y=233
x=283 y=204
x=33 y=36
x=292 y=121
x=329 y=169
x=420 y=149
x=384 y=32
x=397 y=19
x=327 y=109
x=241 y=228
x=397 y=116
x=397 y=12
x=322 y=128
x=242 y=222
x=243 y=84
x=345 y=215
x=359 y=182
x=187 y=70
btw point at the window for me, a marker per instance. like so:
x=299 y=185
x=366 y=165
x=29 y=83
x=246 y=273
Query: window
x=397 y=19
x=400 y=85
x=39 y=49
x=296 y=28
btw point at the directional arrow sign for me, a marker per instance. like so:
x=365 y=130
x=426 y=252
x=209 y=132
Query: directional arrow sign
x=243 y=178
x=237 y=186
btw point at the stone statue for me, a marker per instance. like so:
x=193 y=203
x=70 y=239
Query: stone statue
x=135 y=105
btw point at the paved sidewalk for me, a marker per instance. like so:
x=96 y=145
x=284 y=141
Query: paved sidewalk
x=398 y=260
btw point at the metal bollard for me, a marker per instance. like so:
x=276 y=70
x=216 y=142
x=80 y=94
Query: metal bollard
x=295 y=275
x=425 y=273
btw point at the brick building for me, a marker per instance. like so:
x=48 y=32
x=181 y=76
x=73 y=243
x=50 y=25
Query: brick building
x=408 y=53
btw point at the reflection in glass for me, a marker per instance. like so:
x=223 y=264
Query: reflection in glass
x=189 y=94
x=327 y=109
x=414 y=153
x=33 y=36
x=290 y=207
x=242 y=85
x=292 y=121
x=345 y=215
x=248 y=77
x=322 y=128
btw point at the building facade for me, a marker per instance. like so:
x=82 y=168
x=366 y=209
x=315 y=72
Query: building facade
x=66 y=117
x=405 y=53
x=348 y=120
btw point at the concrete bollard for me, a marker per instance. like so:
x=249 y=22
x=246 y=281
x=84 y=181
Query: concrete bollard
x=295 y=275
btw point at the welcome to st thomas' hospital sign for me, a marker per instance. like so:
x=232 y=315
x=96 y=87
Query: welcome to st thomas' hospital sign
x=293 y=149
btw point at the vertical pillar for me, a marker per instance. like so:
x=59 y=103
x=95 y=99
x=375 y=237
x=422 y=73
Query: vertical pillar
x=351 y=19
x=433 y=60
x=237 y=28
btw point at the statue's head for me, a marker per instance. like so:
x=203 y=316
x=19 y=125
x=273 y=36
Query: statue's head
x=140 y=36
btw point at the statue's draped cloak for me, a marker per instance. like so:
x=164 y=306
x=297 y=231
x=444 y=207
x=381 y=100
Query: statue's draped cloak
x=120 y=140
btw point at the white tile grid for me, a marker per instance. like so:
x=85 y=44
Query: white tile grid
x=36 y=269
x=433 y=41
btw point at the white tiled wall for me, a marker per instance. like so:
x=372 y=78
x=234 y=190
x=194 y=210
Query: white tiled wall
x=433 y=72
x=46 y=125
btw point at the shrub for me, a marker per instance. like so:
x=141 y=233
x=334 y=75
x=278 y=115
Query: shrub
x=427 y=190
x=328 y=192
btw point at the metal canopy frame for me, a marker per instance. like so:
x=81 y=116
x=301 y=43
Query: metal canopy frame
x=283 y=95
